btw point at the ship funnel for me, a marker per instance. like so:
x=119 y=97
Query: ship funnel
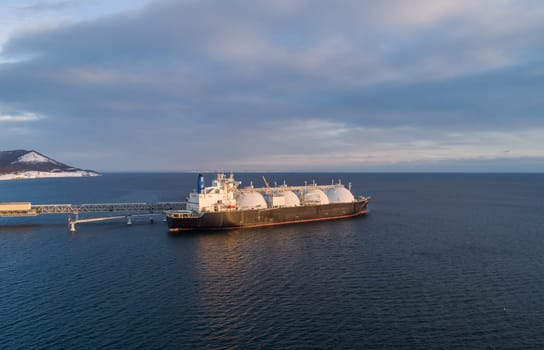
x=200 y=184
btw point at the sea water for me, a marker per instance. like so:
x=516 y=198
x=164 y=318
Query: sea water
x=441 y=261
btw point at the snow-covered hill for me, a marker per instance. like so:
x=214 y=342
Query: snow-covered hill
x=23 y=164
x=33 y=157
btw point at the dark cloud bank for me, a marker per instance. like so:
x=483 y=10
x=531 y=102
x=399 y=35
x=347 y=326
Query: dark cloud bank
x=206 y=84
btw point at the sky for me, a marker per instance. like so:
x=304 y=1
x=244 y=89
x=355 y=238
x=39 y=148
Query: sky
x=284 y=85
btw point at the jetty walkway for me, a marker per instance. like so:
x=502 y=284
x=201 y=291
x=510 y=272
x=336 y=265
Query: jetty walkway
x=129 y=210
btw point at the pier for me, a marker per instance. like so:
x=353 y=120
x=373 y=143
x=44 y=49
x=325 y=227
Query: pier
x=129 y=210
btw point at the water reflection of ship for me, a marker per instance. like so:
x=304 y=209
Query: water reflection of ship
x=225 y=206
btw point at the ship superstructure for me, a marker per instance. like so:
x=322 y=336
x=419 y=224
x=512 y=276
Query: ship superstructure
x=224 y=205
x=218 y=197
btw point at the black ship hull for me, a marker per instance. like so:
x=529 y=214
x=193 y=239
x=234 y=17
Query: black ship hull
x=181 y=221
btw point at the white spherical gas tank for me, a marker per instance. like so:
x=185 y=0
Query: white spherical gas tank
x=339 y=194
x=250 y=200
x=315 y=196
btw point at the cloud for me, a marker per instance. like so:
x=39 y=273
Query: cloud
x=300 y=83
x=325 y=145
x=22 y=118
x=45 y=6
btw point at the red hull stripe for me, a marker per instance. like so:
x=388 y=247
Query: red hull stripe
x=270 y=224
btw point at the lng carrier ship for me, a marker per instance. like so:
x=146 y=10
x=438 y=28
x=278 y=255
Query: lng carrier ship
x=224 y=206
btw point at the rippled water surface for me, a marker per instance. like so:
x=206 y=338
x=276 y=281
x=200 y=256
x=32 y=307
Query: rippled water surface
x=441 y=261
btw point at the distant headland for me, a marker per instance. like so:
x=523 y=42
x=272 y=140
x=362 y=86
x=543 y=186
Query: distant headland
x=23 y=164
